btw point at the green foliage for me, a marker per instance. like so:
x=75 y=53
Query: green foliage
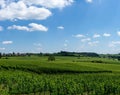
x=0 y=55
x=96 y=61
x=51 y=58
x=118 y=58
x=36 y=76
x=3 y=89
x=85 y=54
x=73 y=84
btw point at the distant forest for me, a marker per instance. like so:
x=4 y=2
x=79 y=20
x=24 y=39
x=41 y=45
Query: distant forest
x=63 y=53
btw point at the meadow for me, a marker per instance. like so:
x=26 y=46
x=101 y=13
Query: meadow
x=35 y=75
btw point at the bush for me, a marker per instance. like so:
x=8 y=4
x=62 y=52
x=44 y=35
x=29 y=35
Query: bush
x=6 y=57
x=51 y=58
x=97 y=61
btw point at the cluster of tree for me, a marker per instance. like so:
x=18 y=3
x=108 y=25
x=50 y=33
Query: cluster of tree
x=77 y=54
x=14 y=54
x=111 y=56
x=61 y=53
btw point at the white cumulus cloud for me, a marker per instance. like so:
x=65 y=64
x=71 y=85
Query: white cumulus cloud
x=60 y=27
x=7 y=42
x=96 y=36
x=79 y=36
x=89 y=1
x=118 y=32
x=30 y=9
x=85 y=40
x=94 y=43
x=37 y=27
x=114 y=43
x=23 y=28
x=106 y=35
x=49 y=3
x=19 y=10
x=31 y=27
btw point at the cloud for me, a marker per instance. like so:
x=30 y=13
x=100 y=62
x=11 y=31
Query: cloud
x=23 y=28
x=7 y=42
x=2 y=3
x=94 y=43
x=60 y=27
x=89 y=1
x=37 y=27
x=2 y=48
x=114 y=43
x=37 y=44
x=79 y=36
x=66 y=41
x=31 y=27
x=49 y=3
x=118 y=32
x=21 y=11
x=106 y=35
x=1 y=28
x=85 y=40
x=65 y=46
x=30 y=9
x=96 y=36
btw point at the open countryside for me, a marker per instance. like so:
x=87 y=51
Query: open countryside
x=68 y=74
x=59 y=47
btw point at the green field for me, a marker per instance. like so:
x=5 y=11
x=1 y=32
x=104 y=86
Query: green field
x=65 y=76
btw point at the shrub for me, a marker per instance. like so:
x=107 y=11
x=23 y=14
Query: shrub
x=96 y=61
x=51 y=58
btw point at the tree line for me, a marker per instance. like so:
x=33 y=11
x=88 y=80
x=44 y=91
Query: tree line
x=61 y=53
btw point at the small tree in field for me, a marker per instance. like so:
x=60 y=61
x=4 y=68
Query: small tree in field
x=118 y=58
x=51 y=58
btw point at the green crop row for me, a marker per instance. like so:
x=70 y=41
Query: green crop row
x=60 y=65
x=61 y=84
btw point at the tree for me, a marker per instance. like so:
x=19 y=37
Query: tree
x=118 y=58
x=0 y=55
x=51 y=58
x=13 y=54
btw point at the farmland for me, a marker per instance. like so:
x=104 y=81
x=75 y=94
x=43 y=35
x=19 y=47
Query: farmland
x=35 y=75
x=59 y=47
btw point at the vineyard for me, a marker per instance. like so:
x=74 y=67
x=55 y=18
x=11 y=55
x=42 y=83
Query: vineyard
x=64 y=76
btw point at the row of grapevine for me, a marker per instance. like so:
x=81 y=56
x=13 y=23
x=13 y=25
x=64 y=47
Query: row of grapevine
x=61 y=84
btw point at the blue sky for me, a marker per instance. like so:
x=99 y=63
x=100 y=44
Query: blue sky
x=55 y=25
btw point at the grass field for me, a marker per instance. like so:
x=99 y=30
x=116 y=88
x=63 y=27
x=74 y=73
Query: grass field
x=65 y=76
